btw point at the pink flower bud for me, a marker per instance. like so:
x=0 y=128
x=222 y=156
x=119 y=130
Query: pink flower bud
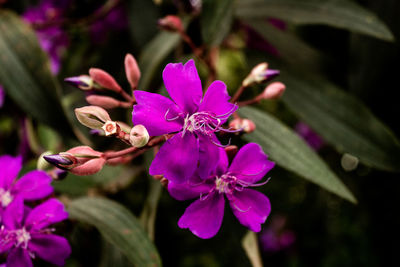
x=231 y=152
x=246 y=125
x=171 y=23
x=103 y=101
x=89 y=160
x=273 y=91
x=104 y=79
x=111 y=128
x=93 y=117
x=139 y=136
x=132 y=70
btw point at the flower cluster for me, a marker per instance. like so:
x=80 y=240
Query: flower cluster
x=193 y=160
x=25 y=232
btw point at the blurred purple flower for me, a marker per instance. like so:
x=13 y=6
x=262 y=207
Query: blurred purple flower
x=275 y=238
x=2 y=96
x=115 y=20
x=52 y=39
x=311 y=137
x=204 y=216
x=195 y=119
x=32 y=186
x=25 y=233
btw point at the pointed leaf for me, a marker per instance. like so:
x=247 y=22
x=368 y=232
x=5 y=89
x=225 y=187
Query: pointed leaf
x=118 y=226
x=344 y=14
x=25 y=73
x=289 y=151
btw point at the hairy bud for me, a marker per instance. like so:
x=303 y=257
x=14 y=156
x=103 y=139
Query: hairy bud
x=103 y=101
x=93 y=117
x=260 y=74
x=139 y=136
x=132 y=70
x=245 y=125
x=171 y=23
x=273 y=91
x=104 y=79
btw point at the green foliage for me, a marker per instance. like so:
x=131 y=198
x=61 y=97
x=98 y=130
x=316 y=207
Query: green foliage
x=344 y=14
x=25 y=74
x=118 y=226
x=288 y=150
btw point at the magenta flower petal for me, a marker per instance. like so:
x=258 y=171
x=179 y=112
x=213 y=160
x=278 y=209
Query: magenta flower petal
x=208 y=155
x=251 y=208
x=52 y=248
x=216 y=100
x=177 y=158
x=33 y=185
x=204 y=216
x=192 y=188
x=19 y=257
x=183 y=85
x=49 y=212
x=250 y=163
x=10 y=167
x=14 y=214
x=152 y=111
x=223 y=163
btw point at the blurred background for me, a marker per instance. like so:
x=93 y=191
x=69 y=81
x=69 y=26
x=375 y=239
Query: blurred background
x=338 y=59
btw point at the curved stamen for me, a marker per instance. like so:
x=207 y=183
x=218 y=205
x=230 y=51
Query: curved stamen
x=253 y=174
x=227 y=114
x=220 y=145
x=170 y=119
x=246 y=184
x=239 y=209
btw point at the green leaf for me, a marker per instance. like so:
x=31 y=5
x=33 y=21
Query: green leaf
x=118 y=226
x=342 y=120
x=216 y=20
x=154 y=54
x=289 y=45
x=25 y=74
x=340 y=13
x=289 y=151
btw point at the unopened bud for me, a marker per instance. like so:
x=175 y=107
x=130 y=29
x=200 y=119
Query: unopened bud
x=349 y=162
x=132 y=70
x=139 y=136
x=245 y=125
x=103 y=101
x=93 y=117
x=83 y=82
x=231 y=152
x=111 y=128
x=273 y=91
x=89 y=161
x=171 y=23
x=104 y=79
x=42 y=164
x=60 y=161
x=260 y=74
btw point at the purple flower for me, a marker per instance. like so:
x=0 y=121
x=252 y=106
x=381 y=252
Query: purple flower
x=193 y=118
x=2 y=96
x=52 y=39
x=25 y=233
x=276 y=238
x=311 y=137
x=204 y=216
x=32 y=186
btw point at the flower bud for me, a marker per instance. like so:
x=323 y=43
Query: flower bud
x=83 y=82
x=60 y=161
x=132 y=70
x=139 y=136
x=42 y=163
x=93 y=117
x=259 y=74
x=103 y=101
x=245 y=125
x=273 y=91
x=104 y=79
x=111 y=128
x=89 y=161
x=171 y=23
x=349 y=162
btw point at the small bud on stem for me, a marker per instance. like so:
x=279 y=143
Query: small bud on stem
x=139 y=137
x=93 y=117
x=132 y=71
x=171 y=23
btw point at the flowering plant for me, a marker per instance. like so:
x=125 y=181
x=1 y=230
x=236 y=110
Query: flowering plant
x=129 y=130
